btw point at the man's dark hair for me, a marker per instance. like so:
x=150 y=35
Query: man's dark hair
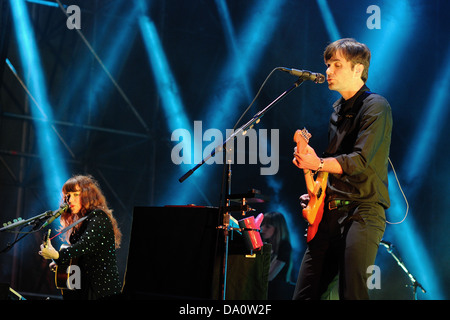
x=353 y=51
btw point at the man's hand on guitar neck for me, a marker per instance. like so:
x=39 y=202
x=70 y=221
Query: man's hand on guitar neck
x=308 y=160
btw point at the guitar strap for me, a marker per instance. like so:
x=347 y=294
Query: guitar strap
x=70 y=227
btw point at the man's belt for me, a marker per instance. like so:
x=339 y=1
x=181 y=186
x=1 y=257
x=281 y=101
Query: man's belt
x=336 y=204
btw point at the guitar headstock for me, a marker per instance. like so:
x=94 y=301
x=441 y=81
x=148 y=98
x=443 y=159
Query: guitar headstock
x=301 y=138
x=302 y=134
x=46 y=238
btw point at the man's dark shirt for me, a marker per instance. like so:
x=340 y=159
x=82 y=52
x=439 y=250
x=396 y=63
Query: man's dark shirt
x=359 y=138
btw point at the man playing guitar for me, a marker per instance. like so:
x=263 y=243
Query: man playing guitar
x=356 y=161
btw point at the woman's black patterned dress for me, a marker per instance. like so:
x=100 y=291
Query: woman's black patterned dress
x=93 y=251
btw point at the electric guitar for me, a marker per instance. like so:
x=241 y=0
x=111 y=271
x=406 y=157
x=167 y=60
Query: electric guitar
x=315 y=187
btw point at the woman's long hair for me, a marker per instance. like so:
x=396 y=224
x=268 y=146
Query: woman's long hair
x=92 y=198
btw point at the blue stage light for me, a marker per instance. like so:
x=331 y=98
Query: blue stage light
x=328 y=19
x=423 y=149
x=388 y=44
x=406 y=238
x=230 y=36
x=166 y=84
x=51 y=156
x=175 y=115
x=44 y=3
x=114 y=53
x=167 y=87
x=221 y=110
x=253 y=38
x=434 y=118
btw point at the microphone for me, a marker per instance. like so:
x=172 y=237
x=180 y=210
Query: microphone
x=305 y=74
x=56 y=214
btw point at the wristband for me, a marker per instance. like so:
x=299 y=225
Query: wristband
x=320 y=165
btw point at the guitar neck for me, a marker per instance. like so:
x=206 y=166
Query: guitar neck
x=301 y=138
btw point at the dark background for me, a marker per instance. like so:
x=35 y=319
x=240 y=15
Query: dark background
x=112 y=94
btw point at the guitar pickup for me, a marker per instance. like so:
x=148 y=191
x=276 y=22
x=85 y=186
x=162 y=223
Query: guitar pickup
x=319 y=193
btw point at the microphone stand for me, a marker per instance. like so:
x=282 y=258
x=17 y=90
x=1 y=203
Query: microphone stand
x=226 y=208
x=389 y=247
x=255 y=119
x=36 y=222
x=32 y=221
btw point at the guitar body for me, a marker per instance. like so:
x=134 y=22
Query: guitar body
x=315 y=187
x=314 y=226
x=63 y=273
x=62 y=276
x=316 y=198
